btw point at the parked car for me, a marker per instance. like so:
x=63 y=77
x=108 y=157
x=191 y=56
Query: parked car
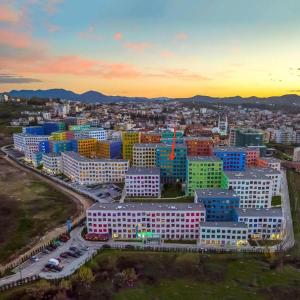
x=57 y=268
x=64 y=255
x=34 y=258
x=73 y=254
x=45 y=251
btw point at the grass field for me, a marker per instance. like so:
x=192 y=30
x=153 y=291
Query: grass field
x=276 y=200
x=28 y=208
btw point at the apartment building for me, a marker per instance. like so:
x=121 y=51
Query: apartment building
x=203 y=172
x=219 y=203
x=171 y=169
x=144 y=155
x=97 y=133
x=223 y=233
x=199 y=146
x=234 y=158
x=129 y=138
x=52 y=163
x=86 y=146
x=253 y=186
x=109 y=148
x=21 y=140
x=150 y=137
x=263 y=224
x=62 y=135
x=143 y=182
x=252 y=156
x=269 y=162
x=85 y=170
x=176 y=221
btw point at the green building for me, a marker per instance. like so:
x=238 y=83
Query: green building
x=204 y=172
x=245 y=137
x=168 y=135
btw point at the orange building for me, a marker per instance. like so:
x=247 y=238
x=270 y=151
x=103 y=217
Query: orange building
x=199 y=146
x=150 y=138
x=86 y=147
x=252 y=157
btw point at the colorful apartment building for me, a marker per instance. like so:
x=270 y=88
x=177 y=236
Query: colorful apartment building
x=176 y=221
x=86 y=171
x=199 y=146
x=167 y=137
x=85 y=147
x=172 y=170
x=34 y=130
x=22 y=140
x=97 y=133
x=62 y=135
x=144 y=155
x=52 y=163
x=252 y=156
x=109 y=149
x=143 y=182
x=129 y=138
x=219 y=203
x=203 y=172
x=234 y=158
x=263 y=224
x=150 y=137
x=50 y=127
x=80 y=127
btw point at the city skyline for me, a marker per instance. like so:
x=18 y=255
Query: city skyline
x=158 y=48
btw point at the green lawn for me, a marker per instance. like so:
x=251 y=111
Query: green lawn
x=276 y=200
x=172 y=190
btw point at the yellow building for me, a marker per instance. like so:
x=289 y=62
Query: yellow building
x=61 y=135
x=129 y=138
x=87 y=147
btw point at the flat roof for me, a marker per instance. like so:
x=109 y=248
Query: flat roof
x=230 y=149
x=22 y=134
x=223 y=224
x=215 y=193
x=271 y=159
x=197 y=138
x=259 y=212
x=82 y=158
x=134 y=206
x=143 y=171
x=148 y=145
x=52 y=154
x=163 y=145
x=253 y=173
x=204 y=158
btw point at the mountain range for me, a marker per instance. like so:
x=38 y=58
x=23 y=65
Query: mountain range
x=97 y=97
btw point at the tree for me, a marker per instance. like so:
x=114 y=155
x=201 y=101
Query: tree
x=85 y=276
x=130 y=277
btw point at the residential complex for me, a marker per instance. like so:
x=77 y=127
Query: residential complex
x=143 y=182
x=52 y=163
x=144 y=155
x=199 y=146
x=109 y=149
x=129 y=138
x=234 y=158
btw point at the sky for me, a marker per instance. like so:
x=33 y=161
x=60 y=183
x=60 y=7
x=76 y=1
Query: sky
x=170 y=48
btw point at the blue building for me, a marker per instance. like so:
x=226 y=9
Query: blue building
x=50 y=127
x=61 y=146
x=219 y=203
x=115 y=149
x=167 y=137
x=171 y=170
x=44 y=147
x=34 y=130
x=234 y=158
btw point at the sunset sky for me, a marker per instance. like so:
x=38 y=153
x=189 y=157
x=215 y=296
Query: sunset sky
x=152 y=48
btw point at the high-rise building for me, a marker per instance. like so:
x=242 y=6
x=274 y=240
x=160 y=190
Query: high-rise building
x=199 y=146
x=144 y=155
x=129 y=138
x=85 y=147
x=109 y=149
x=172 y=170
x=245 y=137
x=168 y=135
x=234 y=158
x=203 y=172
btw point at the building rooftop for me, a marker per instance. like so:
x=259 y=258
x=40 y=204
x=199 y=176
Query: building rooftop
x=204 y=158
x=143 y=171
x=177 y=146
x=148 y=145
x=52 y=154
x=215 y=193
x=82 y=158
x=259 y=212
x=229 y=149
x=197 y=138
x=253 y=173
x=148 y=206
x=22 y=134
x=223 y=224
x=271 y=159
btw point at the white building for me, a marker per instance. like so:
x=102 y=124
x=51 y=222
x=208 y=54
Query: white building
x=223 y=233
x=254 y=188
x=144 y=155
x=144 y=182
x=30 y=150
x=89 y=171
x=52 y=163
x=129 y=220
x=266 y=224
x=21 y=140
x=97 y=133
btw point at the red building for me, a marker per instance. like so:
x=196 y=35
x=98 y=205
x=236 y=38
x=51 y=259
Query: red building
x=199 y=146
x=150 y=137
x=252 y=157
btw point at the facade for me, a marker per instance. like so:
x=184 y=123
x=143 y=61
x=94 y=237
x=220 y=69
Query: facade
x=86 y=147
x=90 y=171
x=252 y=156
x=203 y=172
x=62 y=135
x=175 y=221
x=199 y=146
x=109 y=149
x=219 y=203
x=37 y=158
x=171 y=170
x=263 y=224
x=234 y=158
x=52 y=163
x=97 y=133
x=144 y=155
x=269 y=162
x=253 y=186
x=50 y=127
x=21 y=140
x=129 y=138
x=168 y=135
x=34 y=130
x=144 y=182
x=150 y=137
x=223 y=233
x=79 y=127
x=30 y=151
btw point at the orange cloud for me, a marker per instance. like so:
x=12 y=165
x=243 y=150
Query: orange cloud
x=15 y=39
x=167 y=54
x=181 y=36
x=118 y=36
x=137 y=47
x=7 y=14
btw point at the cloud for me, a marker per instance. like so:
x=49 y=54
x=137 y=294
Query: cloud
x=179 y=74
x=11 y=78
x=8 y=15
x=15 y=39
x=137 y=47
x=167 y=54
x=294 y=91
x=181 y=36
x=118 y=36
